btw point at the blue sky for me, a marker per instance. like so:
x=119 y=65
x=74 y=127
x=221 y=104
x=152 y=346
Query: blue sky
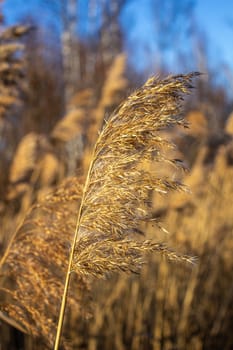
x=214 y=19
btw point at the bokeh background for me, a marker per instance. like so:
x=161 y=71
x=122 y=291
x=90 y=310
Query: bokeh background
x=65 y=65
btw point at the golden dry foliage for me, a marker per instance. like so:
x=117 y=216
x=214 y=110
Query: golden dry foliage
x=82 y=99
x=170 y=307
x=198 y=122
x=114 y=84
x=34 y=265
x=11 y=68
x=194 y=180
x=70 y=126
x=14 y=32
x=28 y=167
x=116 y=202
x=49 y=170
x=116 y=194
x=12 y=87
x=116 y=198
x=229 y=125
x=69 y=136
x=25 y=158
x=80 y=126
x=35 y=166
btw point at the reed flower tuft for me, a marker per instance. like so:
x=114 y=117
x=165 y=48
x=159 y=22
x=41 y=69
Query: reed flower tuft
x=104 y=216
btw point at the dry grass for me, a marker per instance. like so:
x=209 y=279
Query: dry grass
x=12 y=89
x=116 y=198
x=115 y=203
x=34 y=266
x=12 y=67
x=168 y=306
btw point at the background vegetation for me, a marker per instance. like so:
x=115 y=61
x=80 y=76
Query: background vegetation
x=58 y=84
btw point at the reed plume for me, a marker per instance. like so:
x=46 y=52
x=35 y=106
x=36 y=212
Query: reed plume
x=35 y=263
x=116 y=197
x=116 y=194
x=113 y=205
